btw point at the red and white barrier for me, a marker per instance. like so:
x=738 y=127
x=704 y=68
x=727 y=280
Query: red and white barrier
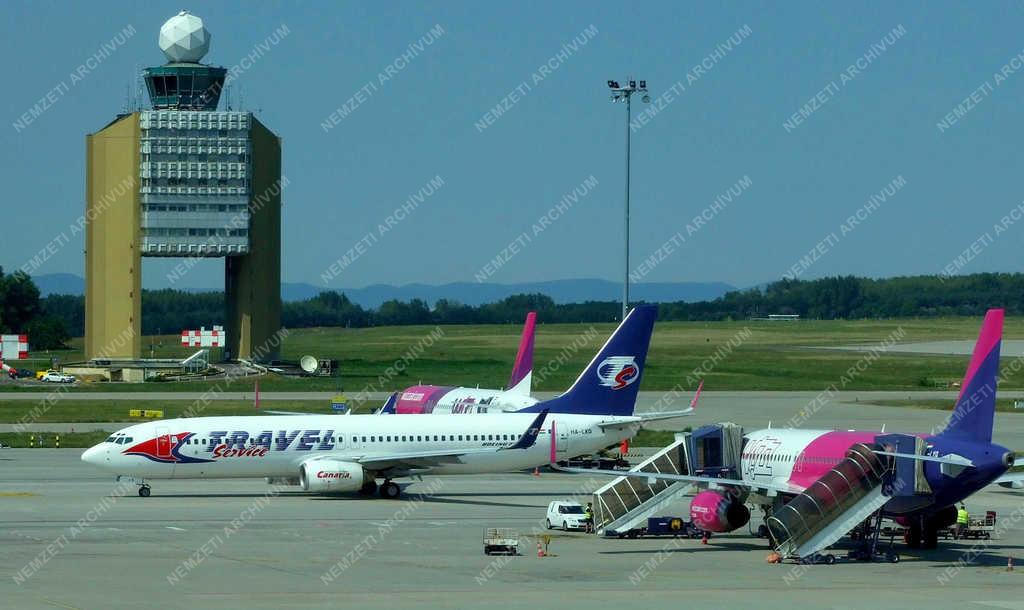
x=13 y=347
x=203 y=337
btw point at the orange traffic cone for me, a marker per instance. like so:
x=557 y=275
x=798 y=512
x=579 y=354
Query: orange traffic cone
x=536 y=471
x=540 y=550
x=1009 y=564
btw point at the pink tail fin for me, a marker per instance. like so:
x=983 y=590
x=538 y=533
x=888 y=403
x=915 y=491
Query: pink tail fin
x=522 y=371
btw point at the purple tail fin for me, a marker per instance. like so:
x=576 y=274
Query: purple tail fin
x=974 y=413
x=610 y=383
x=522 y=372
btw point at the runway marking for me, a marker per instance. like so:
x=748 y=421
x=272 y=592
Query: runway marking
x=177 y=529
x=17 y=494
x=58 y=604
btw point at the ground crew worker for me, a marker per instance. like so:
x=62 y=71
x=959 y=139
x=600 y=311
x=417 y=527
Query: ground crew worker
x=588 y=518
x=962 y=521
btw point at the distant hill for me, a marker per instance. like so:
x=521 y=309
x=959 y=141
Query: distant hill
x=469 y=293
x=561 y=291
x=59 y=283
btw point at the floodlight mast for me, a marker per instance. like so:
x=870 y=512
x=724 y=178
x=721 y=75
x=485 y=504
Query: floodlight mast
x=625 y=93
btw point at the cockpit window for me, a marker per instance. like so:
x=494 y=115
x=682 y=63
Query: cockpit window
x=110 y=439
x=128 y=440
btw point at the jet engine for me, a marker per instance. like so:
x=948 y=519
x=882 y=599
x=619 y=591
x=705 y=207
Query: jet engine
x=714 y=511
x=322 y=476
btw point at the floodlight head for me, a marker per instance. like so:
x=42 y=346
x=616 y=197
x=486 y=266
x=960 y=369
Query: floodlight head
x=184 y=38
x=632 y=84
x=611 y=84
x=646 y=98
x=643 y=84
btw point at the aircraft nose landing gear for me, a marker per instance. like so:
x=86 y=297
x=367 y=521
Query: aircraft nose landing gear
x=144 y=490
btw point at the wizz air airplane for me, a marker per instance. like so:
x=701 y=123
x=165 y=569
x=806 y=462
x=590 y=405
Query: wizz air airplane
x=445 y=400
x=337 y=453
x=816 y=485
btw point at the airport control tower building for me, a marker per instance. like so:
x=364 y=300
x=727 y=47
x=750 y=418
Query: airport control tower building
x=184 y=180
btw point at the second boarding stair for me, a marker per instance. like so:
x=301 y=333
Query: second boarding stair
x=857 y=488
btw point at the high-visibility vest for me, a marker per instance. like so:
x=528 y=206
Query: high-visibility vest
x=961 y=516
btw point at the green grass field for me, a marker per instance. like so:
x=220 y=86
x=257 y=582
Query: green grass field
x=1002 y=405
x=765 y=356
x=71 y=411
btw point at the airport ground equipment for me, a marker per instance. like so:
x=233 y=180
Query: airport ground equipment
x=832 y=506
x=859 y=486
x=501 y=541
x=978 y=528
x=624 y=504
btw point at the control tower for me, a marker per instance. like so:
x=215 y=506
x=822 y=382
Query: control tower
x=189 y=181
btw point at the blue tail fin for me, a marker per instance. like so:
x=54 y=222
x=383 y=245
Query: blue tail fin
x=610 y=383
x=974 y=413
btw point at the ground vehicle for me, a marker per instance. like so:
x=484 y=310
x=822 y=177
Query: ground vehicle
x=566 y=515
x=25 y=373
x=55 y=377
x=501 y=540
x=978 y=528
x=661 y=526
x=41 y=374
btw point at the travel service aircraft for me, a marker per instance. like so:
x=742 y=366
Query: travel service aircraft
x=336 y=453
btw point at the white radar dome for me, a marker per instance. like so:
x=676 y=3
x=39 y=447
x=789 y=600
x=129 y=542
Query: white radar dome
x=184 y=38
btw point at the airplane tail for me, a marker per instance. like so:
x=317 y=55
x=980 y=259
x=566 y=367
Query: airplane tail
x=522 y=372
x=974 y=413
x=610 y=383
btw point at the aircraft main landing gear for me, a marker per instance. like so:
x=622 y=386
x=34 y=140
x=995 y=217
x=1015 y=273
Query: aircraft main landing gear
x=390 y=490
x=369 y=488
x=144 y=490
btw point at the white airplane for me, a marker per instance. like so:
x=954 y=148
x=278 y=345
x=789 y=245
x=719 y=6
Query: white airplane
x=446 y=400
x=335 y=453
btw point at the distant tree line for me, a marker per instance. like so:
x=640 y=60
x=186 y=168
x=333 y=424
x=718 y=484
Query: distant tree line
x=21 y=312
x=848 y=297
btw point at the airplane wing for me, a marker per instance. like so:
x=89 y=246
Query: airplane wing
x=1011 y=480
x=642 y=418
x=416 y=460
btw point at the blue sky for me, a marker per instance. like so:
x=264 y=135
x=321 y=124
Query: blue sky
x=877 y=124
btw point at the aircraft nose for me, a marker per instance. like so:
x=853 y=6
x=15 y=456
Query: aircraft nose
x=91 y=455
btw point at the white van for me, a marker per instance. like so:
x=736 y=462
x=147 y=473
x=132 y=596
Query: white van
x=566 y=515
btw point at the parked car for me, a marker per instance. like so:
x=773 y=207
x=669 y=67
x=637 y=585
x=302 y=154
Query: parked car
x=26 y=373
x=55 y=377
x=566 y=515
x=41 y=374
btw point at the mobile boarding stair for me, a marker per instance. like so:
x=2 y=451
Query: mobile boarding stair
x=621 y=507
x=849 y=497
